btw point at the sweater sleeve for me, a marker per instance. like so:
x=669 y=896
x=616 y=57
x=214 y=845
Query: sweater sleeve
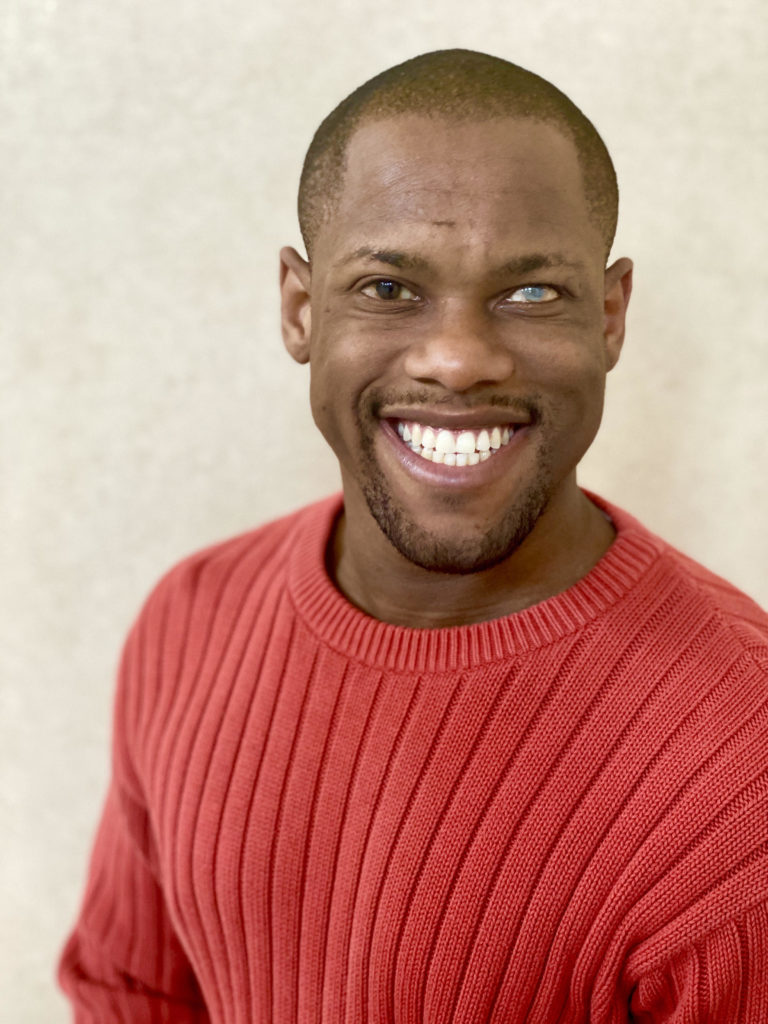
x=722 y=977
x=123 y=961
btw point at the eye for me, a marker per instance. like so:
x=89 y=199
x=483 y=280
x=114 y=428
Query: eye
x=388 y=290
x=535 y=293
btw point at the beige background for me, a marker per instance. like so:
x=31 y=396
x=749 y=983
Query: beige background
x=150 y=156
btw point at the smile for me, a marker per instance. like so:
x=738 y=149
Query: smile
x=454 y=447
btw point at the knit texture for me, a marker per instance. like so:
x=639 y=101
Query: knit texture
x=558 y=816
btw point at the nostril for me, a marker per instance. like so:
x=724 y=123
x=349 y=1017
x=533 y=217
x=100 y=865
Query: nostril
x=459 y=362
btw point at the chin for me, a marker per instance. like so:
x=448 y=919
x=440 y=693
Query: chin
x=456 y=552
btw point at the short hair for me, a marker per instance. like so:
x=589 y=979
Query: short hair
x=457 y=85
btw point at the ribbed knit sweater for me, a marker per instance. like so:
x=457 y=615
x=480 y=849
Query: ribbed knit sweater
x=314 y=816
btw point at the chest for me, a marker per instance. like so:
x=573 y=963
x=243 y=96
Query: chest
x=364 y=846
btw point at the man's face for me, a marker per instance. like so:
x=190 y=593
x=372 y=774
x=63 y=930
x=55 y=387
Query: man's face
x=458 y=300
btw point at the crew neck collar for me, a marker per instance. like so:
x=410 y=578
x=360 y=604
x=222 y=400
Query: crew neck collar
x=357 y=635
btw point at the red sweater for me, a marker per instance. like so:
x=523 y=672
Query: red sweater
x=559 y=816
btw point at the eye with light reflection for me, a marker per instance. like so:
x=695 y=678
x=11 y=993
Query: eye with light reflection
x=388 y=290
x=534 y=293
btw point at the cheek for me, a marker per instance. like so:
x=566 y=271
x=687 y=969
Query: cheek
x=571 y=384
x=345 y=359
x=325 y=401
x=340 y=372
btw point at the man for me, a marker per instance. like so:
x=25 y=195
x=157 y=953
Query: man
x=472 y=745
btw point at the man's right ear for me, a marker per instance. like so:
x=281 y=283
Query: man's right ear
x=296 y=315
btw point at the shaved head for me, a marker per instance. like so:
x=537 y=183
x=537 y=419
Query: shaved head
x=457 y=85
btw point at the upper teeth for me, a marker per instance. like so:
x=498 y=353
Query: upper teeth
x=435 y=443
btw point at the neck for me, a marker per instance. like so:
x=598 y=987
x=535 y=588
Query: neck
x=567 y=541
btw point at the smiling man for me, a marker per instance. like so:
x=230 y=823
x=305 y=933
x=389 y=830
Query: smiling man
x=466 y=744
x=459 y=322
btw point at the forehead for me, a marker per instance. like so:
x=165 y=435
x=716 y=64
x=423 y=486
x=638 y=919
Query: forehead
x=491 y=184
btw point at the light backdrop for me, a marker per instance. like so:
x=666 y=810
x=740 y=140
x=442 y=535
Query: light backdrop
x=150 y=158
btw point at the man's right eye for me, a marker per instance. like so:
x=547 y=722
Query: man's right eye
x=388 y=290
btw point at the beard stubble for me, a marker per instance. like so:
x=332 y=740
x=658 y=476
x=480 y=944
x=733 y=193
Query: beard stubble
x=457 y=555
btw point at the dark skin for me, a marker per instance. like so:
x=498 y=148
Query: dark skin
x=459 y=282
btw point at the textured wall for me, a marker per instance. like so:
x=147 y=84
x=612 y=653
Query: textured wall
x=150 y=154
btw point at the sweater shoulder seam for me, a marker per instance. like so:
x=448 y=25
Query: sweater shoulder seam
x=757 y=648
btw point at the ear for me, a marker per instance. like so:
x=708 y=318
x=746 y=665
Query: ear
x=618 y=288
x=296 y=315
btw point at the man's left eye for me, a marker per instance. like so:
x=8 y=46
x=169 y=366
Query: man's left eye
x=534 y=293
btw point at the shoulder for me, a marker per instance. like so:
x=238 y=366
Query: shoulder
x=250 y=561
x=697 y=597
x=213 y=597
x=738 y=613
x=209 y=604
x=698 y=647
x=732 y=615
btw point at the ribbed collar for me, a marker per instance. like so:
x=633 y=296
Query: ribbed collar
x=359 y=636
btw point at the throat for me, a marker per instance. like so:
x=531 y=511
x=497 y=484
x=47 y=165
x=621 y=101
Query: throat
x=380 y=582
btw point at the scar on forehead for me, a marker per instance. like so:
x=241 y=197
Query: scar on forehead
x=444 y=223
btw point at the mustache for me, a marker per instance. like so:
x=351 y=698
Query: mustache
x=526 y=405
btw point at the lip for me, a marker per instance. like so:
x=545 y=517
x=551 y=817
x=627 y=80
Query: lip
x=458 y=477
x=474 y=419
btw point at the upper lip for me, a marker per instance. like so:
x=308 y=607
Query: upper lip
x=457 y=419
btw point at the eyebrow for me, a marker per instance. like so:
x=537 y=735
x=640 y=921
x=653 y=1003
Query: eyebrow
x=392 y=258
x=540 y=261
x=523 y=264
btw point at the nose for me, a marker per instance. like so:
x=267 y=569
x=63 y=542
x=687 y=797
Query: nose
x=462 y=350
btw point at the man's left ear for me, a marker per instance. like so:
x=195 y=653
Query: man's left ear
x=618 y=288
x=296 y=313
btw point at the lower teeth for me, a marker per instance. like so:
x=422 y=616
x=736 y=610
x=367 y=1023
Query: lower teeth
x=452 y=458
